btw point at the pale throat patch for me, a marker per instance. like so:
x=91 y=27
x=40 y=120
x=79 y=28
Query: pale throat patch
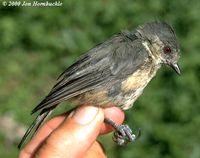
x=157 y=44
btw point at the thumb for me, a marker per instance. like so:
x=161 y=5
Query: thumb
x=75 y=135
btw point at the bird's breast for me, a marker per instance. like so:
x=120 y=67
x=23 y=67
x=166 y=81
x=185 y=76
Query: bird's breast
x=133 y=86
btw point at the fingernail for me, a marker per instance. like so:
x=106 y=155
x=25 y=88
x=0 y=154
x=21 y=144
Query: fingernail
x=84 y=115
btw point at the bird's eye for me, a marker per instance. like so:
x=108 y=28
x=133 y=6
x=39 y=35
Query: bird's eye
x=167 y=50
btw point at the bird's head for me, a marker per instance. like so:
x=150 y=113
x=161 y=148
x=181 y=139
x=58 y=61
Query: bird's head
x=160 y=40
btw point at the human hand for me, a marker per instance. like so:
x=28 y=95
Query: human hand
x=73 y=135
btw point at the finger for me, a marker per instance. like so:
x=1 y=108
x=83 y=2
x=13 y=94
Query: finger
x=40 y=136
x=75 y=135
x=113 y=113
x=95 y=151
x=116 y=115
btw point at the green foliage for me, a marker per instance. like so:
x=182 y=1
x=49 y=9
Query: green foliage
x=38 y=43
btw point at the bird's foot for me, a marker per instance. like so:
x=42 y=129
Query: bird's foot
x=123 y=135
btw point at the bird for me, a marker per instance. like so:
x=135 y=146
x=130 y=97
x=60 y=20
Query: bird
x=114 y=72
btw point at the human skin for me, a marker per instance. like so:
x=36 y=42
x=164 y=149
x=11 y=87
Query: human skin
x=73 y=135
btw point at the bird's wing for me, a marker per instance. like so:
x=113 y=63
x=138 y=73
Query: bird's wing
x=113 y=59
x=127 y=58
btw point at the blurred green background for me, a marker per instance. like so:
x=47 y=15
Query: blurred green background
x=38 y=43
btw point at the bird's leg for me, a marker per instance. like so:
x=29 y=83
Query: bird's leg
x=123 y=134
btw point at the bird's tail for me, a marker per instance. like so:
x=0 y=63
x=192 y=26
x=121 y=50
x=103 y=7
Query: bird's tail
x=36 y=124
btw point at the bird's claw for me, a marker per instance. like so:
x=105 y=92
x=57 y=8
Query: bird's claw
x=124 y=135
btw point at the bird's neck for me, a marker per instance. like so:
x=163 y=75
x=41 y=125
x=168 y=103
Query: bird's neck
x=153 y=50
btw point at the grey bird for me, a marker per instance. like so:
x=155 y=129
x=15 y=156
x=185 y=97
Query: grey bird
x=114 y=72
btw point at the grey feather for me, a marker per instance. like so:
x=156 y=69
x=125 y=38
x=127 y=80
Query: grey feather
x=127 y=58
x=36 y=124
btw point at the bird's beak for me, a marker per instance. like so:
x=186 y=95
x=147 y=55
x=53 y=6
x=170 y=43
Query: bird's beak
x=176 y=68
